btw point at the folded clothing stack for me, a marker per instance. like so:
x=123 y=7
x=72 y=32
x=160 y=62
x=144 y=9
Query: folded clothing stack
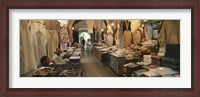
x=156 y=60
x=147 y=58
x=129 y=68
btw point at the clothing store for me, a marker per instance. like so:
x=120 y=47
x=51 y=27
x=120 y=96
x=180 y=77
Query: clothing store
x=99 y=48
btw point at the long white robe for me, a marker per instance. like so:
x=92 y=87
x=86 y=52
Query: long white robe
x=52 y=42
x=27 y=57
x=39 y=45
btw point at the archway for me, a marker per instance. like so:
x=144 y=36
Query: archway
x=84 y=38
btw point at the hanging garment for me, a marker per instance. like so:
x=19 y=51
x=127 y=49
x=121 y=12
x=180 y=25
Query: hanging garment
x=52 y=42
x=39 y=45
x=136 y=37
x=109 y=40
x=51 y=25
x=169 y=33
x=90 y=24
x=64 y=40
x=135 y=24
x=70 y=34
x=27 y=57
x=109 y=36
x=148 y=30
x=117 y=38
x=127 y=38
x=98 y=25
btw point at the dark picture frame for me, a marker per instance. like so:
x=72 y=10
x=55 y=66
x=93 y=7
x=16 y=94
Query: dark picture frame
x=100 y=4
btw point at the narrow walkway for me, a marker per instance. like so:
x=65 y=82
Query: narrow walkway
x=92 y=67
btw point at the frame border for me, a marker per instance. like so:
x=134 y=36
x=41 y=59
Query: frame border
x=103 y=4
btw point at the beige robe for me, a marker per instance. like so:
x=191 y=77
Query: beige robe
x=109 y=40
x=127 y=38
x=27 y=57
x=90 y=24
x=52 y=42
x=51 y=25
x=135 y=24
x=136 y=37
x=169 y=33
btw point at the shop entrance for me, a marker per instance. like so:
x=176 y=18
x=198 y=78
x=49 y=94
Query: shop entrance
x=84 y=39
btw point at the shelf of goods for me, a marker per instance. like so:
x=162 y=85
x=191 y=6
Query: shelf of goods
x=116 y=63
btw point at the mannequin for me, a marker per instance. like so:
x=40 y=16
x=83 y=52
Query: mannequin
x=27 y=57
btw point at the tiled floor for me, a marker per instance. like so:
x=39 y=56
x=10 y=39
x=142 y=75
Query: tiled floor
x=92 y=67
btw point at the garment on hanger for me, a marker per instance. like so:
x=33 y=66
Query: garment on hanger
x=169 y=33
x=70 y=34
x=136 y=37
x=98 y=25
x=127 y=36
x=117 y=38
x=109 y=36
x=52 y=42
x=135 y=24
x=27 y=57
x=109 y=40
x=64 y=40
x=148 y=30
x=51 y=25
x=90 y=24
x=39 y=45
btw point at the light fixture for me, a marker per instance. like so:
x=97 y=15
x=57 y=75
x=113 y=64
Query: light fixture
x=101 y=30
x=72 y=28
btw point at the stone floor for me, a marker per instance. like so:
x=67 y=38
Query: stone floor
x=92 y=66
